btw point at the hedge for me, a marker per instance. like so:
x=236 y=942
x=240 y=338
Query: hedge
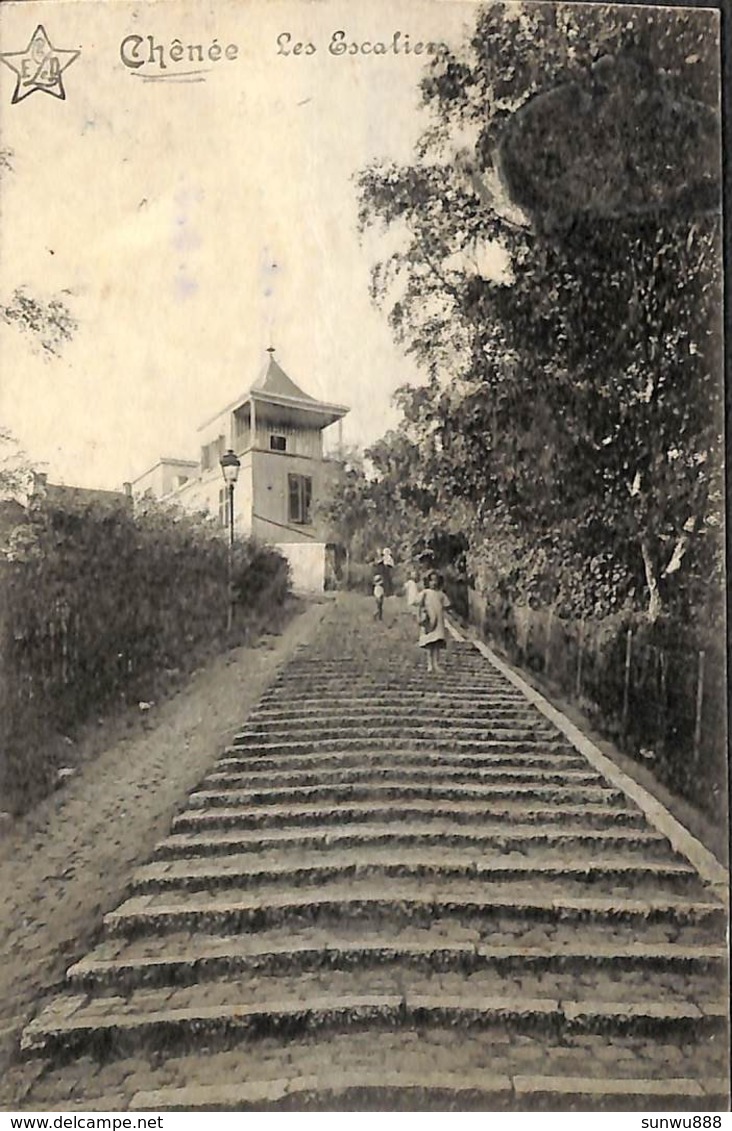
x=99 y=605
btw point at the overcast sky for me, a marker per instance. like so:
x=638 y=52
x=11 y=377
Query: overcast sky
x=162 y=206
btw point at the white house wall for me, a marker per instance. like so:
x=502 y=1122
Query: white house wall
x=271 y=519
x=203 y=494
x=307 y=565
x=164 y=477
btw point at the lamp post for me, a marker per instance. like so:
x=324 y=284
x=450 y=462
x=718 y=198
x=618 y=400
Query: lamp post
x=230 y=465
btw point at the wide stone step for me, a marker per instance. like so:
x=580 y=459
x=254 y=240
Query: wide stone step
x=415 y=682
x=405 y=790
x=467 y=660
x=425 y=717
x=456 y=747
x=329 y=713
x=393 y=659
x=505 y=704
x=414 y=676
x=261 y=778
x=396 y=690
x=394 y=666
x=229 y=1010
x=181 y=959
x=254 y=735
x=445 y=834
x=409 y=1091
x=487 y=1069
x=385 y=809
x=246 y=761
x=402 y=901
x=359 y=681
x=258 y=732
x=302 y=868
x=401 y=742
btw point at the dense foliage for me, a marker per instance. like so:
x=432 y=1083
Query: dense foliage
x=48 y=323
x=99 y=604
x=561 y=289
x=379 y=499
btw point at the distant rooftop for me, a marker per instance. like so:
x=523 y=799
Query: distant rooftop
x=63 y=493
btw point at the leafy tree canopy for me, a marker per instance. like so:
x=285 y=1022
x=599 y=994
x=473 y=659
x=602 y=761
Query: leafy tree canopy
x=49 y=323
x=562 y=290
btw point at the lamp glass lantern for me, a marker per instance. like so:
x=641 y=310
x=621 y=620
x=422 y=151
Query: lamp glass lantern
x=230 y=464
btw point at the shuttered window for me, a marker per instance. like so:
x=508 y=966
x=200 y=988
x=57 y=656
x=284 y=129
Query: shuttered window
x=300 y=498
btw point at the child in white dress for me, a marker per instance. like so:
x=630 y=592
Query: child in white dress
x=432 y=605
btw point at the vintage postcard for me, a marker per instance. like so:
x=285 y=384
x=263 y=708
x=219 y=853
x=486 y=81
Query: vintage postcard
x=362 y=592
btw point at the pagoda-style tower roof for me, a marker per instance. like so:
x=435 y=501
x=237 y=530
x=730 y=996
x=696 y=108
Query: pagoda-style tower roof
x=273 y=380
x=275 y=397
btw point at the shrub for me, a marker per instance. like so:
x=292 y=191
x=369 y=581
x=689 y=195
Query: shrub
x=98 y=604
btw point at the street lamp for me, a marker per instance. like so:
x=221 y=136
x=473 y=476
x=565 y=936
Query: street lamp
x=230 y=464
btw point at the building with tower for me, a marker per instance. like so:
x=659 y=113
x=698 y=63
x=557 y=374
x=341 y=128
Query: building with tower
x=276 y=430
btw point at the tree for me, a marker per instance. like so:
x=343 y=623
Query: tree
x=568 y=320
x=345 y=506
x=382 y=499
x=14 y=466
x=50 y=324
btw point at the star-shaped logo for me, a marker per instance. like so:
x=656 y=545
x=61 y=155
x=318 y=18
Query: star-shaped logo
x=39 y=67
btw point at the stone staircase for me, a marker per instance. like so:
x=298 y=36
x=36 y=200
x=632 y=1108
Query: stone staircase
x=398 y=891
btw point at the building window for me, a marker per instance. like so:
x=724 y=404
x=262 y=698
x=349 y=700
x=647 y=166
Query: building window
x=278 y=443
x=300 y=495
x=212 y=453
